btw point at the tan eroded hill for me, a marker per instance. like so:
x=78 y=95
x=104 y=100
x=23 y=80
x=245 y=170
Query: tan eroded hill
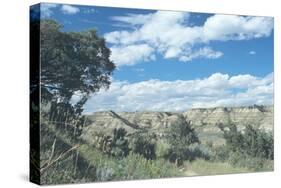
x=204 y=120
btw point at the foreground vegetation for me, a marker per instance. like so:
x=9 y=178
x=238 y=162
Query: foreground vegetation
x=86 y=163
x=68 y=159
x=206 y=167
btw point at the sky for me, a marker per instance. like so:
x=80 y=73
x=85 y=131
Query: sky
x=174 y=61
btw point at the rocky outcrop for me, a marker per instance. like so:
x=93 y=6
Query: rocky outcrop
x=204 y=120
x=254 y=115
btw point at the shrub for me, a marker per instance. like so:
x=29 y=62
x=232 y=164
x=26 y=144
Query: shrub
x=258 y=143
x=181 y=137
x=116 y=145
x=135 y=166
x=104 y=143
x=119 y=145
x=243 y=160
x=144 y=145
x=200 y=152
x=253 y=142
x=251 y=148
x=162 y=149
x=104 y=173
x=234 y=138
x=220 y=153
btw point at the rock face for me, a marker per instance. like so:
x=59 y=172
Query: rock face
x=256 y=115
x=204 y=120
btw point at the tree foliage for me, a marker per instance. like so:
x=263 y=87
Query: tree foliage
x=116 y=145
x=119 y=145
x=250 y=143
x=72 y=63
x=72 y=66
x=181 y=136
x=144 y=144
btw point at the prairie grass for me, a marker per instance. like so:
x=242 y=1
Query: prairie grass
x=133 y=166
x=88 y=163
x=203 y=167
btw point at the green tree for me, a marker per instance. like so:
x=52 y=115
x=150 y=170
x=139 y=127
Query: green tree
x=252 y=147
x=72 y=63
x=72 y=66
x=116 y=145
x=252 y=142
x=144 y=145
x=234 y=138
x=258 y=143
x=181 y=137
x=119 y=144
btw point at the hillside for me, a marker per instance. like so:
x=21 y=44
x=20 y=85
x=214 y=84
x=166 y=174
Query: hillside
x=204 y=120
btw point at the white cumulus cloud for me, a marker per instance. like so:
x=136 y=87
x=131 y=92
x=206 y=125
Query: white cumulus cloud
x=171 y=35
x=155 y=95
x=205 y=52
x=47 y=9
x=232 y=27
x=69 y=9
x=132 y=54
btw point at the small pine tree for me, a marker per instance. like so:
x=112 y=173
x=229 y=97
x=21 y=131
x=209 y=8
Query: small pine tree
x=144 y=145
x=119 y=144
x=181 y=136
x=252 y=142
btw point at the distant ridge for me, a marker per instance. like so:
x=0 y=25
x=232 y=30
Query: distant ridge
x=204 y=120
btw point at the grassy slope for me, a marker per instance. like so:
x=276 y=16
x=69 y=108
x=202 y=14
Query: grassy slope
x=203 y=167
x=133 y=167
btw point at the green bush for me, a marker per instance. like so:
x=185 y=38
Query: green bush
x=200 y=152
x=116 y=145
x=162 y=149
x=135 y=166
x=252 y=148
x=144 y=145
x=220 y=153
x=253 y=142
x=104 y=173
x=181 y=137
x=119 y=144
x=244 y=160
x=258 y=143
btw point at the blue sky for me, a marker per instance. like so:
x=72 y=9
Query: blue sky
x=173 y=61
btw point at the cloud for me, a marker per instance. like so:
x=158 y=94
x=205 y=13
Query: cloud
x=231 y=27
x=155 y=95
x=171 y=35
x=252 y=52
x=133 y=19
x=46 y=9
x=205 y=52
x=132 y=54
x=69 y=9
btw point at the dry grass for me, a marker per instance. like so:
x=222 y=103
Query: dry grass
x=203 y=167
